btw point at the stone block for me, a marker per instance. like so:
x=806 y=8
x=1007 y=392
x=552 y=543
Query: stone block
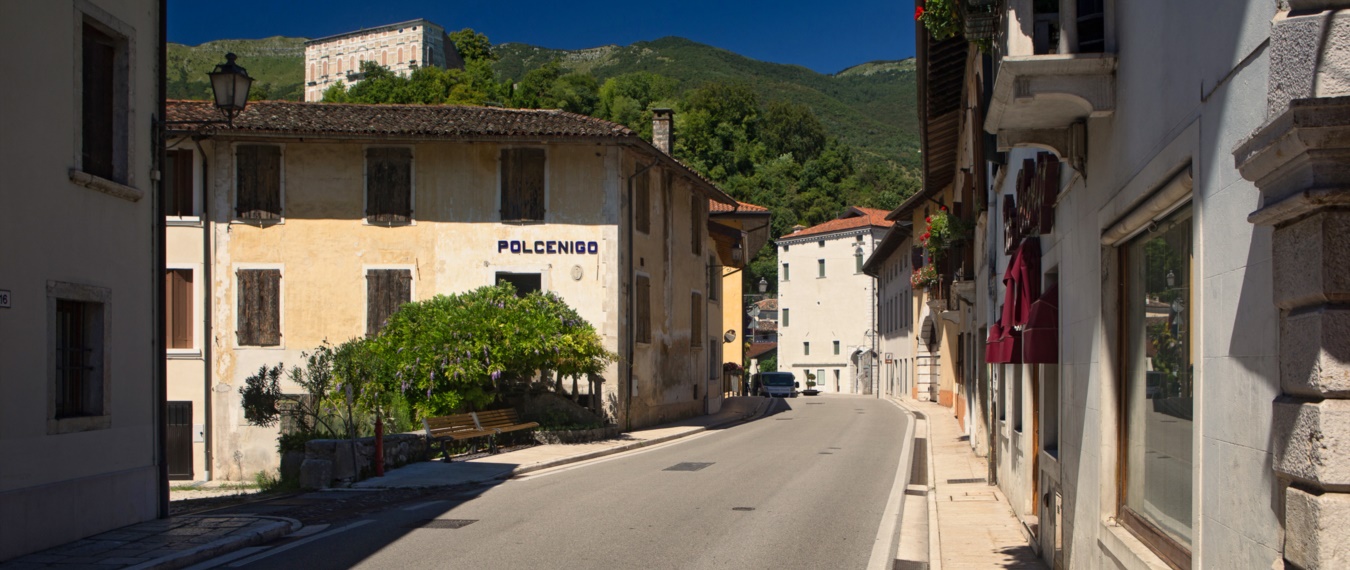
x=1312 y=260
x=1316 y=529
x=290 y=465
x=1315 y=353
x=1312 y=441
x=316 y=474
x=344 y=467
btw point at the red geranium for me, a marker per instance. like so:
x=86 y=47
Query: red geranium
x=918 y=12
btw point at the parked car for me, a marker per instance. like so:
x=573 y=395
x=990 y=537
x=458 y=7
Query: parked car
x=775 y=384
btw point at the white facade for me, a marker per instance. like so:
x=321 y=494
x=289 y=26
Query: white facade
x=891 y=266
x=401 y=47
x=79 y=273
x=826 y=304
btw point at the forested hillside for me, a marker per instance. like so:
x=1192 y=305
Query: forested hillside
x=803 y=144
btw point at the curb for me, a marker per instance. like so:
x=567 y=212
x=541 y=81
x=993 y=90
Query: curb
x=934 y=561
x=278 y=528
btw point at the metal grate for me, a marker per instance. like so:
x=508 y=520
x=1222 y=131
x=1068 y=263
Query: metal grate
x=909 y=565
x=918 y=471
x=687 y=467
x=742 y=508
x=827 y=453
x=959 y=481
x=447 y=523
x=782 y=419
x=815 y=403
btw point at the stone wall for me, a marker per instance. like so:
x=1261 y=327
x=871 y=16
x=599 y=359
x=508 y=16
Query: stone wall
x=330 y=463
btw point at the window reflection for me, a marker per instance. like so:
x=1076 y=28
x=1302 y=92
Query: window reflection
x=1159 y=377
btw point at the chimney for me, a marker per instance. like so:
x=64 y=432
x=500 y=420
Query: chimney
x=662 y=121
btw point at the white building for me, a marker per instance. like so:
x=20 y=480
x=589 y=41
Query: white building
x=80 y=285
x=401 y=47
x=890 y=264
x=826 y=309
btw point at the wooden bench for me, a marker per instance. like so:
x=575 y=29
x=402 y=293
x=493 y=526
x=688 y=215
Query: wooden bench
x=457 y=427
x=473 y=425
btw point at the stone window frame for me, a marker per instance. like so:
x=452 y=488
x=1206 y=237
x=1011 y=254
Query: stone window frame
x=234 y=183
x=411 y=270
x=65 y=291
x=501 y=185
x=365 y=186
x=281 y=306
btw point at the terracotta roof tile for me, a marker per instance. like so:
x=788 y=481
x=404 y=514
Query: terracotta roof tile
x=719 y=208
x=855 y=217
x=758 y=349
x=419 y=121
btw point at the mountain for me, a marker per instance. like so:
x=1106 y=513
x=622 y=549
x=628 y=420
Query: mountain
x=276 y=65
x=870 y=106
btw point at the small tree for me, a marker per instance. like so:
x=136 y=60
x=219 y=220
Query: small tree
x=266 y=405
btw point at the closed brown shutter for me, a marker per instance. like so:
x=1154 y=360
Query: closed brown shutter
x=643 y=320
x=178 y=177
x=642 y=207
x=259 y=318
x=696 y=228
x=696 y=331
x=98 y=90
x=258 y=180
x=178 y=310
x=522 y=184
x=386 y=291
x=388 y=185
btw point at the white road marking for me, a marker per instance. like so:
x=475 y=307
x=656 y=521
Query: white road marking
x=888 y=534
x=217 y=561
x=301 y=542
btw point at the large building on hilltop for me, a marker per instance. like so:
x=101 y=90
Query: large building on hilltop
x=401 y=47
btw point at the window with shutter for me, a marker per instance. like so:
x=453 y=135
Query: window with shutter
x=386 y=291
x=389 y=185
x=642 y=322
x=259 y=317
x=696 y=331
x=696 y=229
x=522 y=175
x=258 y=182
x=178 y=181
x=525 y=283
x=178 y=308
x=99 y=84
x=642 y=207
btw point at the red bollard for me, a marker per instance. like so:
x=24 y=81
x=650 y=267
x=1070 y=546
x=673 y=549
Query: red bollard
x=379 y=445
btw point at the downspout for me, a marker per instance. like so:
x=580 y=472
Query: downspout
x=207 y=317
x=631 y=279
x=160 y=366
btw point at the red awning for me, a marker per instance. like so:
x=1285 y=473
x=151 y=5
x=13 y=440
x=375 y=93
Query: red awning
x=1040 y=338
x=1004 y=346
x=1023 y=283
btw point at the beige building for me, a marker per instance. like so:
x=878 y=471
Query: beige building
x=826 y=312
x=732 y=222
x=401 y=47
x=315 y=229
x=80 y=309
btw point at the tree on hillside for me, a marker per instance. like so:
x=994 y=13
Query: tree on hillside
x=472 y=46
x=628 y=99
x=791 y=128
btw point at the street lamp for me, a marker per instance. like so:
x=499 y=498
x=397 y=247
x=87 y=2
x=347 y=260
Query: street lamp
x=763 y=285
x=230 y=84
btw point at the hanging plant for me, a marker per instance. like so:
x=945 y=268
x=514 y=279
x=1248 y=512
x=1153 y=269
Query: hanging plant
x=939 y=17
x=944 y=231
x=924 y=277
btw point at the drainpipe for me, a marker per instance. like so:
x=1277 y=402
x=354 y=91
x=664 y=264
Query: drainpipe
x=631 y=280
x=160 y=365
x=208 y=261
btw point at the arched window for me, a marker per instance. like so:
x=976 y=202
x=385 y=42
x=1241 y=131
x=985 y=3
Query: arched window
x=400 y=55
x=311 y=73
x=384 y=57
x=325 y=67
x=352 y=61
x=341 y=66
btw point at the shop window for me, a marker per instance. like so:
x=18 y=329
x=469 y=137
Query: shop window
x=522 y=176
x=386 y=291
x=1158 y=385
x=389 y=185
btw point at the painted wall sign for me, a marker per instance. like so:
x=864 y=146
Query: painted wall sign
x=548 y=246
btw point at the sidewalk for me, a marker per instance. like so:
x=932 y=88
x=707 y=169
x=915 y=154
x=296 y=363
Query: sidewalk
x=976 y=527
x=179 y=542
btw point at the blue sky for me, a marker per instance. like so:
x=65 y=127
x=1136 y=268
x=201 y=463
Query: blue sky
x=824 y=36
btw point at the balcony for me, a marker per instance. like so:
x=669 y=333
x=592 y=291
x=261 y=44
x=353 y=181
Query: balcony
x=1044 y=100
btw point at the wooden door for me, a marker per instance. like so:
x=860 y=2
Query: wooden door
x=179 y=440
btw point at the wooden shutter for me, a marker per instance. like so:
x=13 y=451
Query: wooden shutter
x=386 y=291
x=179 y=181
x=642 y=203
x=98 y=84
x=259 y=318
x=522 y=184
x=696 y=228
x=178 y=309
x=258 y=182
x=643 y=319
x=696 y=331
x=388 y=185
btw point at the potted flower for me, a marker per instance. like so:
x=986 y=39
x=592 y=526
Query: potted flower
x=924 y=277
x=732 y=369
x=939 y=17
x=944 y=231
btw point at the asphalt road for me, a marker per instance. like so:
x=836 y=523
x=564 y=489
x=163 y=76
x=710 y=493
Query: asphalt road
x=805 y=487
